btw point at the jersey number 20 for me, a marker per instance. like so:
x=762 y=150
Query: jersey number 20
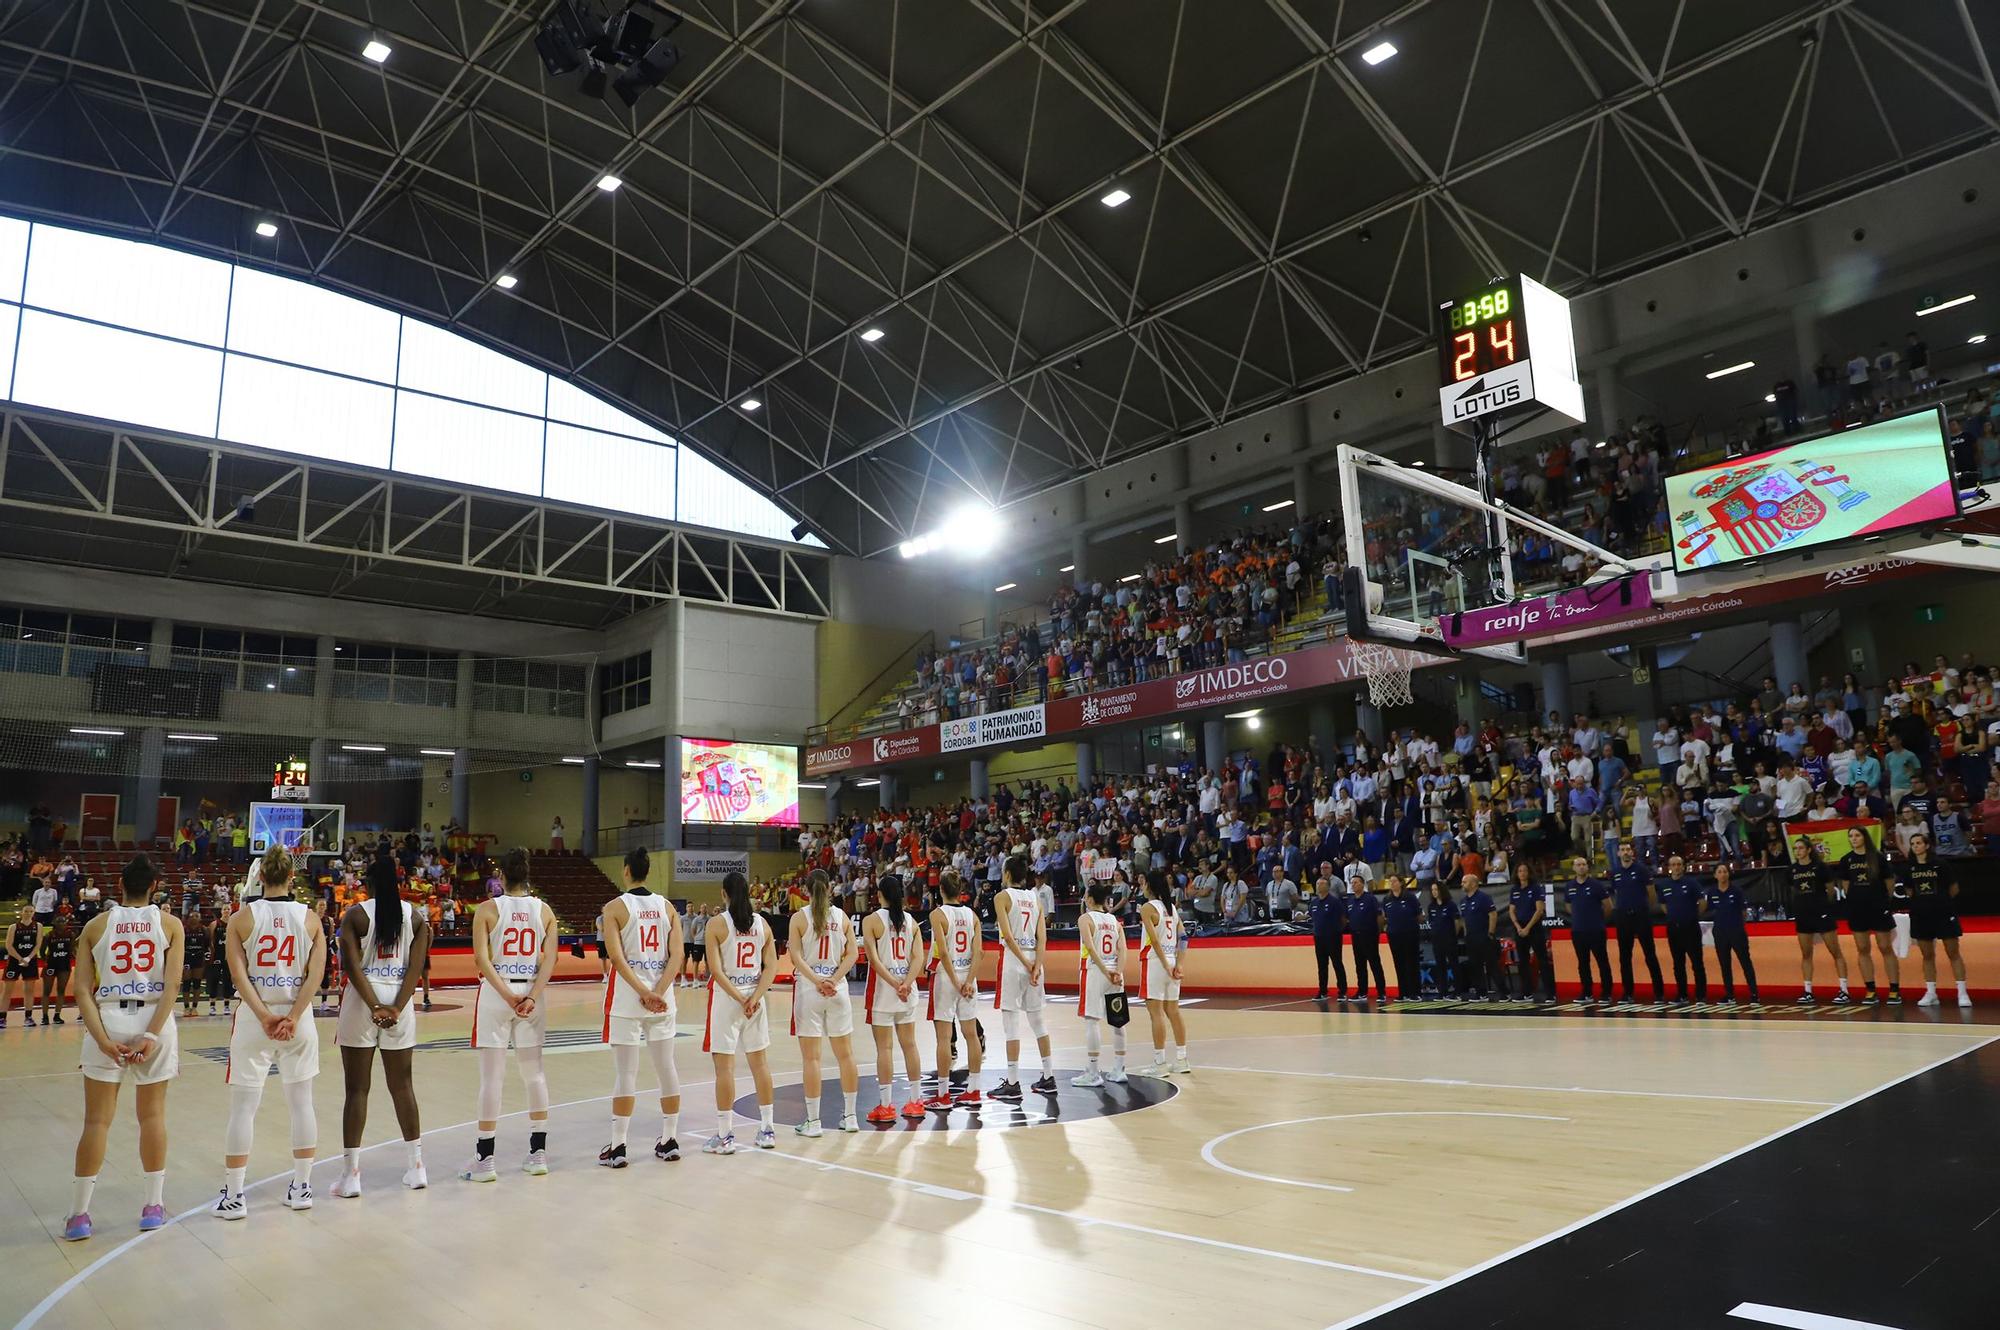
x=517 y=942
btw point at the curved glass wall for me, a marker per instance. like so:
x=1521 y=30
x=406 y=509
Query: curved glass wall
x=155 y=338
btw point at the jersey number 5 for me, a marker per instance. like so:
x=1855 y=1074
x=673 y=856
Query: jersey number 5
x=278 y=949
x=517 y=941
x=127 y=956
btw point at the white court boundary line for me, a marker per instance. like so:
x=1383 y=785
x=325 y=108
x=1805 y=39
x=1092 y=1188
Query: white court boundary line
x=1363 y=1318
x=1502 y=1085
x=1086 y=1221
x=1798 y=1320
x=1208 y=1149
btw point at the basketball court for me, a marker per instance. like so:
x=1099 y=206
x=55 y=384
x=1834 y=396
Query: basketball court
x=1317 y=1169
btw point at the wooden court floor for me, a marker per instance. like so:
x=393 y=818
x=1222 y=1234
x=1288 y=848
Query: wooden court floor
x=1315 y=1166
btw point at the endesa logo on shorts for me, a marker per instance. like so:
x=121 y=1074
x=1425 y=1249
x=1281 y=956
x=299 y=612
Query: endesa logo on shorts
x=1229 y=683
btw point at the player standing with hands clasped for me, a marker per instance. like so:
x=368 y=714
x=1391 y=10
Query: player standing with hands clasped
x=823 y=950
x=1017 y=910
x=954 y=1003
x=276 y=954
x=384 y=944
x=514 y=946
x=891 y=939
x=128 y=972
x=642 y=943
x=1102 y=947
x=1160 y=966
x=745 y=963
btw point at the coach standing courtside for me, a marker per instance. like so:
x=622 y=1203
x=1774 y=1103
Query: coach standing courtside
x=1329 y=913
x=1482 y=952
x=1401 y=911
x=1531 y=932
x=1632 y=901
x=1681 y=896
x=1589 y=902
x=1364 y=926
x=1441 y=913
x=1732 y=941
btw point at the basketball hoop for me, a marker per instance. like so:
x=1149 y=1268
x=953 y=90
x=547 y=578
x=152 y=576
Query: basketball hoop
x=1387 y=672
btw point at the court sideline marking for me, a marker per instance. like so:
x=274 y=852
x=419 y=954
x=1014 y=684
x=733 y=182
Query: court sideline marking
x=1363 y=1318
x=1208 y=1149
x=1798 y=1320
x=1501 y=1085
x=1085 y=1221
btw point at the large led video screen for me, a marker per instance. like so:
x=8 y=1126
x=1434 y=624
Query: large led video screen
x=749 y=784
x=1888 y=476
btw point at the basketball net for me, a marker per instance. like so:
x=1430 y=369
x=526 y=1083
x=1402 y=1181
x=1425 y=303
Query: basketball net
x=1387 y=671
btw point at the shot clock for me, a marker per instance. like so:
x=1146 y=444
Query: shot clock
x=1506 y=349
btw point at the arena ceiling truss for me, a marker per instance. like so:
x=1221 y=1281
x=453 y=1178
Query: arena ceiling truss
x=935 y=169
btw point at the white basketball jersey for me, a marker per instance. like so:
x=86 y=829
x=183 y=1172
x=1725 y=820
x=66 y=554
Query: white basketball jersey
x=1023 y=910
x=515 y=944
x=742 y=958
x=644 y=939
x=385 y=967
x=897 y=949
x=131 y=955
x=961 y=941
x=278 y=949
x=1099 y=933
x=1167 y=929
x=821 y=952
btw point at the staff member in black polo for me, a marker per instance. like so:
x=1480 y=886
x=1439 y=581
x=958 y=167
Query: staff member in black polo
x=1589 y=902
x=1364 y=929
x=1441 y=913
x=1531 y=933
x=1401 y=911
x=1681 y=897
x=1725 y=903
x=1482 y=953
x=1329 y=913
x=1632 y=901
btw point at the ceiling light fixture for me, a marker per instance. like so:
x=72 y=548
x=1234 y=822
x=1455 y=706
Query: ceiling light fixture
x=437 y=752
x=97 y=733
x=649 y=766
x=363 y=748
x=375 y=51
x=812 y=784
x=506 y=281
x=872 y=335
x=1067 y=568
x=1737 y=368
x=1251 y=714
x=866 y=784
x=1129 y=577
x=750 y=404
x=1117 y=198
x=573 y=761
x=196 y=738
x=1274 y=507
x=1929 y=310
x=267 y=229
x=1975 y=339
x=1006 y=586
x=1379 y=52
x=1770 y=397
x=1167 y=539
x=609 y=183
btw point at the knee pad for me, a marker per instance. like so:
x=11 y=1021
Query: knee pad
x=1010 y=1025
x=1038 y=1025
x=1092 y=1038
x=624 y=1070
x=305 y=1121
x=665 y=1068
x=242 y=1126
x=534 y=1078
x=492 y=1065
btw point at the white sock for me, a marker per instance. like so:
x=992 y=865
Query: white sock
x=302 y=1171
x=888 y=1092
x=156 y=1187
x=1961 y=988
x=670 y=1125
x=1090 y=1060
x=1808 y=990
x=1930 y=990
x=764 y=1112
x=725 y=1122
x=232 y=1178
x=847 y=1098
x=1118 y=1048
x=1048 y=1066
x=1014 y=1071
x=1180 y=1052
x=620 y=1129
x=415 y=1150
x=352 y=1160
x=80 y=1194
x=1843 y=985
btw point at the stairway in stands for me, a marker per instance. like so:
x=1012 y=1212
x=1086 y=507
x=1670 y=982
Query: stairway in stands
x=574 y=886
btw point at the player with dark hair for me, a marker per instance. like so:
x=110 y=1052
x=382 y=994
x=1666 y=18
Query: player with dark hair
x=1160 y=976
x=1933 y=892
x=1101 y=972
x=889 y=1002
x=129 y=962
x=1812 y=914
x=514 y=946
x=746 y=964
x=1867 y=878
x=642 y=938
x=954 y=1000
x=823 y=951
x=384 y=947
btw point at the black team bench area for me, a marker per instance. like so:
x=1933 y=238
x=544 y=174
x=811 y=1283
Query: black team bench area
x=1882 y=1214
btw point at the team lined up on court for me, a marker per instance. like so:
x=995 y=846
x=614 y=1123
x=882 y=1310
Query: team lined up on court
x=131 y=958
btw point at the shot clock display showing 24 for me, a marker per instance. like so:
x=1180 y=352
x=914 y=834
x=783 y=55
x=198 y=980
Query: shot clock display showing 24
x=1482 y=333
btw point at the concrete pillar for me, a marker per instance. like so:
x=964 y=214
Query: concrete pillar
x=146 y=783
x=1301 y=491
x=886 y=791
x=1806 y=345
x=1183 y=526
x=1079 y=558
x=1857 y=635
x=324 y=660
x=982 y=785
x=1323 y=729
x=461 y=787
x=590 y=816
x=1466 y=689
x=462 y=719
x=1555 y=689
x=833 y=792
x=670 y=804
x=1368 y=719
x=1214 y=744
x=1086 y=764
x=1788 y=654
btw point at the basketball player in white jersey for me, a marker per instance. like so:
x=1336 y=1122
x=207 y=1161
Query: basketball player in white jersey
x=823 y=950
x=276 y=954
x=384 y=949
x=642 y=940
x=128 y=976
x=1101 y=947
x=1024 y=929
x=954 y=1004
x=514 y=946
x=889 y=1002
x=1160 y=976
x=742 y=963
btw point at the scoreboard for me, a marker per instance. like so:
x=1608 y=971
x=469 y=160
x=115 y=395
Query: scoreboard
x=1507 y=350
